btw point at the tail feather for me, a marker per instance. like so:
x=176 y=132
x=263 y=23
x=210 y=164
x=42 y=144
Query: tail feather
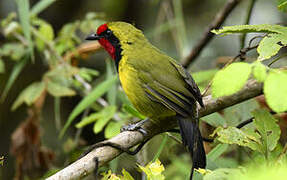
x=191 y=138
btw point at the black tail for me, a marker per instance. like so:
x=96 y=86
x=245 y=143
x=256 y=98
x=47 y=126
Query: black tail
x=191 y=138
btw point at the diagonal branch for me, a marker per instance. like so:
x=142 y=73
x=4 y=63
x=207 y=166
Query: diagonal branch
x=128 y=139
x=208 y=35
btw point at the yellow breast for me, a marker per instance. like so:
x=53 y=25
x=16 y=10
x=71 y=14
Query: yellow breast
x=133 y=87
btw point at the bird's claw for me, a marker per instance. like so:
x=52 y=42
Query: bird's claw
x=135 y=127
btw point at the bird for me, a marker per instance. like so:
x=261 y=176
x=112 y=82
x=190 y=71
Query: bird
x=157 y=85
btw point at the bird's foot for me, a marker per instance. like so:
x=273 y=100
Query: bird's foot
x=135 y=127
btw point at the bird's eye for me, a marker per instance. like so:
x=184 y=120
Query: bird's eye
x=108 y=33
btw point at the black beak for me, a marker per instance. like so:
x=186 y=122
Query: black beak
x=93 y=37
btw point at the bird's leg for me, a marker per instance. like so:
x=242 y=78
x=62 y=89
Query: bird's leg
x=132 y=127
x=114 y=145
x=136 y=127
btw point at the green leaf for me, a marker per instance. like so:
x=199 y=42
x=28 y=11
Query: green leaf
x=2 y=66
x=112 y=93
x=269 y=45
x=29 y=95
x=153 y=170
x=46 y=33
x=13 y=50
x=275 y=88
x=107 y=114
x=62 y=74
x=15 y=72
x=261 y=28
x=221 y=174
x=109 y=176
x=88 y=100
x=268 y=128
x=230 y=79
x=10 y=18
x=88 y=74
x=40 y=6
x=214 y=119
x=259 y=71
x=126 y=175
x=217 y=151
x=131 y=110
x=282 y=5
x=24 y=16
x=233 y=135
x=242 y=111
x=58 y=90
x=160 y=149
x=89 y=119
x=204 y=76
x=261 y=171
x=100 y=118
x=113 y=129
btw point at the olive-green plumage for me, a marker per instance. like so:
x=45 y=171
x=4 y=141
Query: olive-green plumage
x=158 y=86
x=143 y=68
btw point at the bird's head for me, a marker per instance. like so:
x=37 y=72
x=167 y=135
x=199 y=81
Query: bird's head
x=116 y=36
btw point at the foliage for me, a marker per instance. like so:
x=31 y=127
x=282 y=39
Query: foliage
x=103 y=105
x=223 y=86
x=263 y=171
x=269 y=45
x=238 y=73
x=282 y=5
x=152 y=170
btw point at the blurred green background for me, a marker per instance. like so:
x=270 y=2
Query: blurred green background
x=174 y=26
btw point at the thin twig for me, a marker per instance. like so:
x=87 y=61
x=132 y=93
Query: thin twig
x=241 y=55
x=276 y=59
x=20 y=38
x=208 y=35
x=244 y=123
x=83 y=50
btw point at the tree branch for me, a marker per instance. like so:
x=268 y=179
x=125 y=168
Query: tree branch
x=208 y=35
x=128 y=139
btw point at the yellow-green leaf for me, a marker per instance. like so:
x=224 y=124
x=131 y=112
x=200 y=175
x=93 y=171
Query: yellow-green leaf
x=233 y=135
x=261 y=28
x=230 y=79
x=30 y=94
x=259 y=71
x=46 y=33
x=204 y=76
x=113 y=129
x=269 y=45
x=89 y=119
x=131 y=110
x=126 y=175
x=214 y=119
x=88 y=100
x=58 y=90
x=221 y=174
x=268 y=128
x=107 y=114
x=275 y=90
x=153 y=170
